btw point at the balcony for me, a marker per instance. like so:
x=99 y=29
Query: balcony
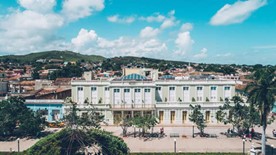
x=132 y=106
x=187 y=104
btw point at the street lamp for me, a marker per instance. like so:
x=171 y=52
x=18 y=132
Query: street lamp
x=193 y=131
x=18 y=148
x=272 y=148
x=243 y=141
x=174 y=146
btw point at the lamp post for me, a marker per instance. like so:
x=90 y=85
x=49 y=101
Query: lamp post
x=193 y=131
x=272 y=149
x=174 y=146
x=243 y=141
x=18 y=148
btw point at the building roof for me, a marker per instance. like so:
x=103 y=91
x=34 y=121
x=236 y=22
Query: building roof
x=167 y=77
x=134 y=77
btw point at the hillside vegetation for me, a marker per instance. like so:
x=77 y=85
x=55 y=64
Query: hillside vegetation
x=63 y=55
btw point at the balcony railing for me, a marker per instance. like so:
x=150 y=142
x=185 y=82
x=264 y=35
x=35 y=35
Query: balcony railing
x=132 y=106
x=187 y=104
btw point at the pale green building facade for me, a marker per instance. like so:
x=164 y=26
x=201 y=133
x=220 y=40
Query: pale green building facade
x=167 y=99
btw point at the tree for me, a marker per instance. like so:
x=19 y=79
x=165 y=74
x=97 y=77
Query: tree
x=126 y=123
x=197 y=117
x=261 y=94
x=68 y=71
x=69 y=142
x=83 y=119
x=144 y=122
x=82 y=132
x=18 y=120
x=237 y=113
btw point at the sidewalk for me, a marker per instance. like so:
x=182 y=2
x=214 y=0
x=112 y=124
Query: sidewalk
x=190 y=144
x=166 y=144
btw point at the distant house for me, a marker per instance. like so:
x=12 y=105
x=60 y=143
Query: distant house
x=62 y=82
x=2 y=75
x=3 y=88
x=41 y=60
x=56 y=61
x=52 y=110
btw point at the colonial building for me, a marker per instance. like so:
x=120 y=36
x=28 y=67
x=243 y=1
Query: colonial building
x=166 y=98
x=52 y=110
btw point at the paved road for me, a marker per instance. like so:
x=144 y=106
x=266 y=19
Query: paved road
x=166 y=144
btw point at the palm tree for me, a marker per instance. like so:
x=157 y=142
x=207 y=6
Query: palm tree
x=261 y=93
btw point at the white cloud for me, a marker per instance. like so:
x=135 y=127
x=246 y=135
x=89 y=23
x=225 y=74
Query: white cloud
x=149 y=32
x=186 y=27
x=76 y=9
x=28 y=31
x=38 y=5
x=202 y=54
x=118 y=19
x=84 y=37
x=124 y=46
x=88 y=42
x=184 y=43
x=156 y=17
x=169 y=21
x=237 y=12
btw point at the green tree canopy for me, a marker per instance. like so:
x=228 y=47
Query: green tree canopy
x=18 y=120
x=197 y=117
x=238 y=113
x=82 y=134
x=261 y=94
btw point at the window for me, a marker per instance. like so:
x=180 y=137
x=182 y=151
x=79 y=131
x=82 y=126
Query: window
x=147 y=90
x=80 y=89
x=186 y=94
x=106 y=95
x=159 y=94
x=213 y=93
x=172 y=88
x=199 y=88
x=137 y=96
x=186 y=88
x=227 y=92
x=147 y=96
x=117 y=96
x=116 y=90
x=158 y=88
x=80 y=95
x=127 y=96
x=172 y=117
x=199 y=94
x=94 y=95
x=172 y=97
x=213 y=88
x=184 y=116
x=93 y=88
x=227 y=88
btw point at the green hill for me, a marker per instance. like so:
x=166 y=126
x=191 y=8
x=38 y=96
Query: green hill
x=63 y=55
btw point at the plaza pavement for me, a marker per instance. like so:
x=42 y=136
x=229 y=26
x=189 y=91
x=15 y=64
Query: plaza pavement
x=166 y=144
x=190 y=144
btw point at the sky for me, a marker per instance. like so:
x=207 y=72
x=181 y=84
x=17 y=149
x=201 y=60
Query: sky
x=205 y=31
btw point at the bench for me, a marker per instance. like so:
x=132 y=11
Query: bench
x=172 y=135
x=213 y=136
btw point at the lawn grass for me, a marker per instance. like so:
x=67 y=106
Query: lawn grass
x=186 y=153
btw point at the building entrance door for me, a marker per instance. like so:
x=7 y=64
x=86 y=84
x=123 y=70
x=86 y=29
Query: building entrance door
x=161 y=116
x=117 y=116
x=172 y=116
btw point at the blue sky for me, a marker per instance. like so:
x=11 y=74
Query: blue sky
x=208 y=31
